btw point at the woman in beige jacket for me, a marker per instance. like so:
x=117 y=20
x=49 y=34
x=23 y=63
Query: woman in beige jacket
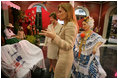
x=65 y=40
x=52 y=49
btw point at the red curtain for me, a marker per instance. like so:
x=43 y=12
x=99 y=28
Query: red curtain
x=45 y=18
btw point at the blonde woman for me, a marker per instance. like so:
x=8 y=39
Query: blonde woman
x=52 y=49
x=65 y=40
x=86 y=52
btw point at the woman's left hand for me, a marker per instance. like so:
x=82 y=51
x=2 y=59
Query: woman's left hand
x=49 y=33
x=96 y=46
x=94 y=50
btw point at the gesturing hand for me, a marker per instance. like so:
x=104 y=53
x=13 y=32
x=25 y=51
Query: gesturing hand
x=49 y=33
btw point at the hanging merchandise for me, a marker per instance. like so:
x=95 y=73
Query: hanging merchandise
x=31 y=14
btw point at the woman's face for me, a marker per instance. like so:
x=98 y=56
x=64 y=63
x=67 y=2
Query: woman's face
x=62 y=14
x=52 y=20
x=85 y=26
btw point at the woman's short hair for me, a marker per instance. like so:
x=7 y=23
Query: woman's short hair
x=53 y=15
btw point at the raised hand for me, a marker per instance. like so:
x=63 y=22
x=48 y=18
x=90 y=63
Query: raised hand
x=49 y=33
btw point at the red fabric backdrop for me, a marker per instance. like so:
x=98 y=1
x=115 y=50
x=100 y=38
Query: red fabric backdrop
x=45 y=18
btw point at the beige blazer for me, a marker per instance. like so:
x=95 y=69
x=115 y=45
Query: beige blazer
x=65 y=41
x=52 y=49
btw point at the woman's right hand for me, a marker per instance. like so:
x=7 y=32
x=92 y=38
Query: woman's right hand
x=49 y=33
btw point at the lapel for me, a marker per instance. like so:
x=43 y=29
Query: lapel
x=56 y=29
x=61 y=31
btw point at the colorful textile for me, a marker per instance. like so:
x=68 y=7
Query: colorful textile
x=31 y=14
x=88 y=66
x=17 y=59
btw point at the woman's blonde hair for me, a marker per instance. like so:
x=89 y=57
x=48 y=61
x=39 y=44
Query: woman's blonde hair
x=70 y=12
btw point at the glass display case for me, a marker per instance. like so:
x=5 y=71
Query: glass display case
x=113 y=30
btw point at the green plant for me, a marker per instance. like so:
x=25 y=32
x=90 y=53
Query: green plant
x=31 y=39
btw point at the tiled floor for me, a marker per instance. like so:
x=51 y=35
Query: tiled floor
x=108 y=59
